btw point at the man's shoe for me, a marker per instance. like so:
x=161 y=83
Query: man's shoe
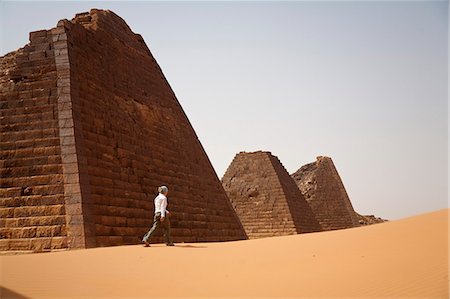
x=170 y=244
x=147 y=244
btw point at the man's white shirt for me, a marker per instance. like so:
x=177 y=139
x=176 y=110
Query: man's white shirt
x=161 y=204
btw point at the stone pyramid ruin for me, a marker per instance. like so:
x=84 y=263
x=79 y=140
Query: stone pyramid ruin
x=323 y=189
x=266 y=198
x=90 y=128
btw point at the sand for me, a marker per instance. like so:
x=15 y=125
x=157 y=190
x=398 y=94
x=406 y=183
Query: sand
x=398 y=259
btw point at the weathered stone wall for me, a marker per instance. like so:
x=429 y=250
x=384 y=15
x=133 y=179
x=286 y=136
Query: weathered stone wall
x=323 y=189
x=32 y=211
x=100 y=118
x=266 y=198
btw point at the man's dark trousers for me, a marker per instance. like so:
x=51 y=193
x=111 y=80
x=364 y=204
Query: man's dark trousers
x=158 y=223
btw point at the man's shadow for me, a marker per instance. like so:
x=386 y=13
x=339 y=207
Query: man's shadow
x=179 y=244
x=189 y=246
x=10 y=294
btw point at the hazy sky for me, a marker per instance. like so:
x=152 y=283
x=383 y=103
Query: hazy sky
x=362 y=82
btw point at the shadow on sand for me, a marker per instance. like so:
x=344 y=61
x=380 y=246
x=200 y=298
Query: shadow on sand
x=189 y=246
x=10 y=294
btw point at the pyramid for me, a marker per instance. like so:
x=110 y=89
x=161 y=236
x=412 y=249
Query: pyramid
x=89 y=129
x=323 y=189
x=266 y=198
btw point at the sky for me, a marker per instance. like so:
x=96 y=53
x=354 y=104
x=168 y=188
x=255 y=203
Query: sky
x=365 y=83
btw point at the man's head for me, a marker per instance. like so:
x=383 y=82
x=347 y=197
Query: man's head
x=163 y=189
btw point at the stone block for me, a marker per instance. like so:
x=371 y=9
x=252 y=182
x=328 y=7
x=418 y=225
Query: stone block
x=38 y=37
x=58 y=243
x=4 y=244
x=19 y=244
x=44 y=231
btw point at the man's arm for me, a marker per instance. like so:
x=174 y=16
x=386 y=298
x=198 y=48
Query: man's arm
x=163 y=208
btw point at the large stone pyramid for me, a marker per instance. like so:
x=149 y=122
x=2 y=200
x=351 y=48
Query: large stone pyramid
x=322 y=187
x=266 y=198
x=89 y=128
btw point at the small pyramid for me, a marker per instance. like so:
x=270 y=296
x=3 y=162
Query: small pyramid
x=90 y=128
x=266 y=198
x=322 y=187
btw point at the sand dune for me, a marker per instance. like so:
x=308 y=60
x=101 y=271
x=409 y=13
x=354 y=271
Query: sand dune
x=398 y=259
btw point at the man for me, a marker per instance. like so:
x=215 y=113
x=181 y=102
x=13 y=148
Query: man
x=160 y=219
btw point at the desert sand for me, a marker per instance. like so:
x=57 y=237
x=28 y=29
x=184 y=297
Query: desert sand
x=398 y=259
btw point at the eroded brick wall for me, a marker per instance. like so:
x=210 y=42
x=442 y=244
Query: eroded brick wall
x=301 y=212
x=323 y=189
x=135 y=137
x=32 y=212
x=265 y=197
